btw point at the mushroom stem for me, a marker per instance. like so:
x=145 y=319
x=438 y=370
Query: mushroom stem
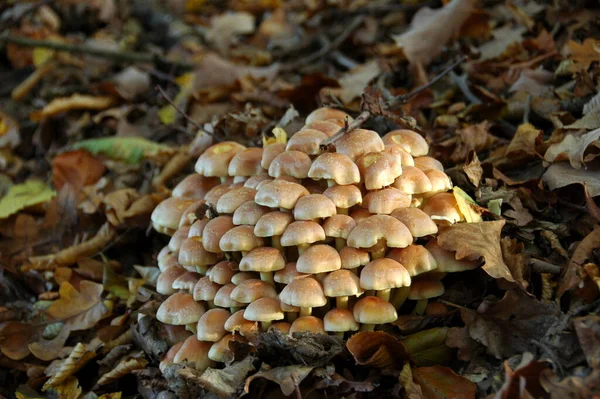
x=210 y=304
x=341 y=302
x=244 y=253
x=202 y=269
x=341 y=211
x=305 y=312
x=367 y=327
x=291 y=316
x=340 y=243
x=302 y=248
x=384 y=294
x=192 y=328
x=233 y=309
x=276 y=243
x=267 y=277
x=223 y=179
x=330 y=182
x=320 y=276
x=339 y=334
x=265 y=325
x=378 y=254
x=420 y=307
x=400 y=296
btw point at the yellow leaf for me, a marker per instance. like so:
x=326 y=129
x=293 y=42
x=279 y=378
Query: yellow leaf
x=78 y=358
x=114 y=395
x=21 y=196
x=74 y=102
x=69 y=389
x=42 y=55
x=168 y=113
x=466 y=205
x=280 y=136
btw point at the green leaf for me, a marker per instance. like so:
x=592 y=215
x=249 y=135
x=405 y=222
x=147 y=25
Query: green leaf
x=21 y=196
x=428 y=347
x=468 y=207
x=131 y=150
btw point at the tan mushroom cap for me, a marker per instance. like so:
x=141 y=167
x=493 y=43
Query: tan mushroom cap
x=240 y=277
x=205 y=290
x=380 y=227
x=428 y=163
x=186 y=281
x=413 y=181
x=302 y=232
x=223 y=297
x=325 y=113
x=397 y=152
x=282 y=326
x=425 y=289
x=304 y=293
x=446 y=260
x=418 y=222
x=306 y=141
x=214 y=230
x=314 y=206
x=177 y=238
x=237 y=323
x=169 y=357
x=196 y=352
x=166 y=216
x=415 y=258
x=197 y=228
x=341 y=283
x=327 y=127
x=439 y=180
x=360 y=214
x=262 y=259
x=240 y=238
x=192 y=213
x=166 y=278
x=339 y=320
x=344 y=197
x=250 y=290
x=336 y=167
x=222 y=272
x=211 y=326
x=232 y=200
x=288 y=274
x=254 y=181
x=287 y=308
x=192 y=254
x=358 y=142
x=385 y=201
x=249 y=213
x=180 y=309
x=246 y=163
x=280 y=194
x=213 y=195
x=339 y=226
x=195 y=186
x=215 y=160
x=168 y=261
x=273 y=224
x=374 y=310
x=270 y=152
x=442 y=207
x=319 y=258
x=353 y=257
x=384 y=274
x=378 y=169
x=309 y=324
x=290 y=163
x=411 y=141
x=264 y=309
x=219 y=350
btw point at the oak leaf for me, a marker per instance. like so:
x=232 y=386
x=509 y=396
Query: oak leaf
x=573 y=273
x=585 y=53
x=572 y=148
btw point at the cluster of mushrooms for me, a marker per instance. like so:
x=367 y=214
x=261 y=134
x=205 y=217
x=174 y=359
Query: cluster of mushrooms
x=292 y=238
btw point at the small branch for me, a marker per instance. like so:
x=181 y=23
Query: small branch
x=540 y=266
x=116 y=56
x=460 y=81
x=181 y=112
x=355 y=124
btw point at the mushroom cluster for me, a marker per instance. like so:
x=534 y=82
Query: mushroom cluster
x=303 y=240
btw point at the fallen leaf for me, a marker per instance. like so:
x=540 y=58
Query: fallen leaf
x=77 y=168
x=473 y=169
x=573 y=387
x=515 y=259
x=132 y=82
x=475 y=240
x=472 y=138
x=573 y=273
x=428 y=347
x=584 y=54
x=15 y=337
x=353 y=82
x=439 y=382
x=377 y=349
x=228 y=381
x=572 y=148
x=21 y=196
x=525 y=142
x=287 y=377
x=431 y=29
x=10 y=136
x=588 y=333
x=524 y=381
x=561 y=174
x=467 y=206
x=225 y=27
x=125 y=366
x=78 y=358
x=458 y=337
x=69 y=389
x=534 y=82
x=504 y=37
x=75 y=102
x=131 y=150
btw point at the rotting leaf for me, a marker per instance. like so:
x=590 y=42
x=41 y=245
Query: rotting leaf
x=573 y=273
x=573 y=387
x=438 y=382
x=572 y=148
x=287 y=377
x=428 y=347
x=224 y=382
x=77 y=168
x=76 y=360
x=125 y=366
x=15 y=337
x=21 y=196
x=377 y=349
x=131 y=150
x=524 y=381
x=588 y=333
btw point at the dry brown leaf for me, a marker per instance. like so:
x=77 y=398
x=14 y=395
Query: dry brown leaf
x=525 y=142
x=69 y=389
x=458 y=337
x=475 y=240
x=225 y=27
x=524 y=381
x=126 y=366
x=430 y=29
x=353 y=82
x=515 y=259
x=588 y=333
x=77 y=168
x=131 y=82
x=571 y=387
x=584 y=54
x=473 y=169
x=15 y=337
x=534 y=82
x=226 y=382
x=377 y=349
x=504 y=37
x=438 y=382
x=472 y=138
x=76 y=360
x=75 y=102
x=572 y=148
x=287 y=377
x=573 y=273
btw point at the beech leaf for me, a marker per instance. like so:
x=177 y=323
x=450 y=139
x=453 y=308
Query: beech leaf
x=438 y=382
x=131 y=150
x=21 y=196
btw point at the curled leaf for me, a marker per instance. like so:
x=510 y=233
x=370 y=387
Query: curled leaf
x=287 y=377
x=439 y=382
x=377 y=349
x=75 y=102
x=76 y=360
x=126 y=366
x=131 y=150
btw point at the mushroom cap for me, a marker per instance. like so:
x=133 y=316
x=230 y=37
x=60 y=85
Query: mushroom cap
x=192 y=213
x=439 y=180
x=249 y=213
x=411 y=141
x=385 y=201
x=326 y=113
x=254 y=181
x=270 y=152
x=319 y=258
x=302 y=232
x=413 y=181
x=341 y=283
x=215 y=160
x=264 y=309
x=360 y=214
x=374 y=310
x=237 y=322
x=219 y=350
x=415 y=258
x=288 y=274
x=358 y=142
x=327 y=127
x=309 y=324
x=211 y=326
x=205 y=290
x=340 y=320
x=262 y=259
x=425 y=289
x=442 y=207
x=282 y=326
x=214 y=230
x=290 y=163
x=287 y=308
x=197 y=227
x=273 y=224
x=280 y=194
x=212 y=197
x=306 y=141
x=246 y=163
x=166 y=216
x=428 y=163
x=378 y=169
x=339 y=226
x=192 y=254
x=222 y=272
x=382 y=274
x=250 y=290
x=164 y=282
x=418 y=222
x=446 y=260
x=195 y=186
x=240 y=238
x=196 y=352
x=180 y=309
x=169 y=357
x=353 y=257
x=344 y=197
x=186 y=281
x=223 y=297
x=304 y=293
x=337 y=167
x=397 y=152
x=314 y=206
x=232 y=200
x=379 y=227
x=240 y=277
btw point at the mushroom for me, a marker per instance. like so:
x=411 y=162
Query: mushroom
x=338 y=321
x=246 y=163
x=358 y=142
x=216 y=192
x=318 y=260
x=271 y=152
x=280 y=194
x=440 y=182
x=264 y=310
x=264 y=260
x=237 y=323
x=353 y=258
x=385 y=201
x=195 y=186
x=341 y=284
x=335 y=168
x=194 y=352
x=165 y=217
x=254 y=181
x=310 y=324
x=164 y=282
x=213 y=232
x=306 y=141
x=416 y=259
x=339 y=227
x=180 y=309
x=220 y=350
x=327 y=127
x=223 y=298
x=240 y=239
x=211 y=326
x=344 y=197
x=249 y=213
x=240 y=277
x=290 y=311
x=371 y=310
x=306 y=293
x=410 y=141
x=378 y=169
x=206 y=290
x=290 y=163
x=382 y=275
x=273 y=224
x=428 y=163
x=186 y=281
x=288 y=274
x=197 y=227
x=302 y=234
x=222 y=272
x=423 y=289
x=397 y=152
x=194 y=257
x=233 y=199
x=379 y=227
x=314 y=207
x=413 y=181
x=418 y=222
x=169 y=357
x=177 y=238
x=282 y=326
x=215 y=160
x=249 y=291
x=443 y=208
x=325 y=113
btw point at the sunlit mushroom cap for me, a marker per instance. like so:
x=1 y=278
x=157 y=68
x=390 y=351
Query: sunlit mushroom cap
x=192 y=254
x=205 y=290
x=219 y=350
x=418 y=222
x=339 y=320
x=442 y=207
x=166 y=216
x=169 y=357
x=446 y=260
x=374 y=310
x=280 y=194
x=397 y=152
x=240 y=277
x=378 y=169
x=413 y=181
x=195 y=186
x=412 y=142
x=213 y=195
x=326 y=127
x=385 y=201
x=309 y=324
x=306 y=141
x=254 y=181
x=164 y=282
x=325 y=113
x=211 y=326
x=359 y=142
x=282 y=326
x=341 y=283
x=196 y=352
x=250 y=290
x=186 y=281
x=303 y=292
x=233 y=199
x=237 y=323
x=337 y=167
x=288 y=274
x=273 y=224
x=344 y=197
x=214 y=231
x=425 y=289
x=314 y=206
x=270 y=152
x=240 y=238
x=222 y=272
x=428 y=163
x=180 y=309
x=197 y=228
x=319 y=259
x=264 y=309
x=302 y=232
x=353 y=257
x=382 y=274
x=215 y=160
x=440 y=181
x=262 y=259
x=380 y=227
x=223 y=297
x=339 y=226
x=177 y=238
x=246 y=163
x=290 y=163
x=415 y=258
x=167 y=261
x=249 y=213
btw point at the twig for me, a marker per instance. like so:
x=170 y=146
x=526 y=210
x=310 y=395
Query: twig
x=527 y=109
x=117 y=56
x=180 y=111
x=355 y=124
x=540 y=266
x=462 y=85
